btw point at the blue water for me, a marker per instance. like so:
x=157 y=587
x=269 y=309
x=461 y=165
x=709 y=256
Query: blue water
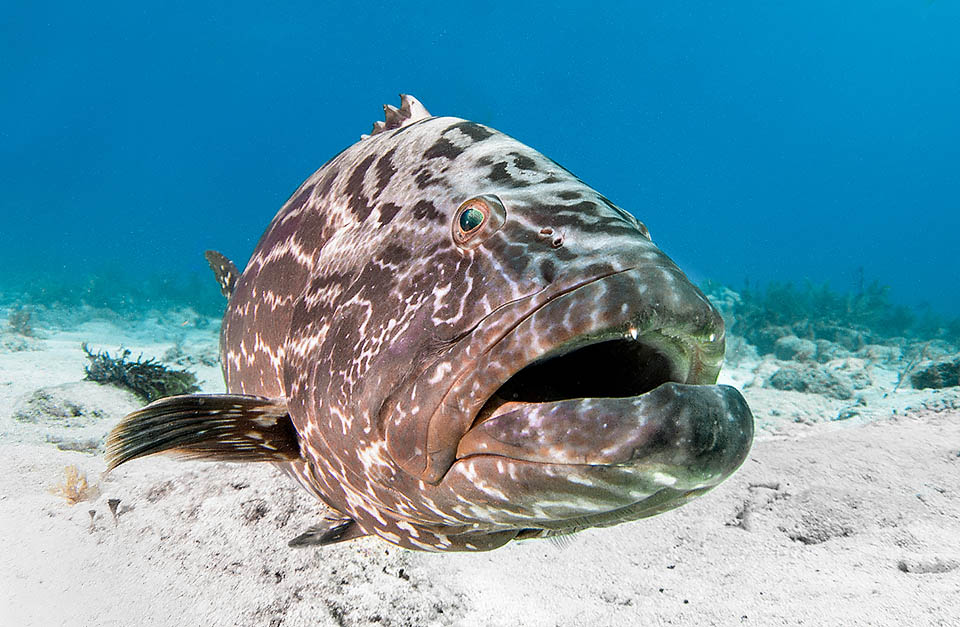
x=758 y=140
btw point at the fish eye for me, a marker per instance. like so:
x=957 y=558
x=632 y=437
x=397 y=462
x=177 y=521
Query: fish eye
x=477 y=219
x=470 y=219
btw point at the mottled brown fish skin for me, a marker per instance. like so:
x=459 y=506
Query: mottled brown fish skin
x=386 y=338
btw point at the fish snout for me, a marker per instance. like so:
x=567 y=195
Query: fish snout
x=709 y=431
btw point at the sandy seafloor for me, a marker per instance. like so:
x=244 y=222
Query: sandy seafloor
x=850 y=522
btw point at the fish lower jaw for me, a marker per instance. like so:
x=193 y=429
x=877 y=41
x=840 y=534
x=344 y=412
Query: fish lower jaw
x=682 y=436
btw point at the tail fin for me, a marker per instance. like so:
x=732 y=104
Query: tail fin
x=216 y=427
x=225 y=271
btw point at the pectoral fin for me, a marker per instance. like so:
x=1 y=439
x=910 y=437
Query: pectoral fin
x=215 y=427
x=334 y=528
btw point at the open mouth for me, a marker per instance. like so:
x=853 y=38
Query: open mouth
x=612 y=366
x=618 y=398
x=616 y=401
x=615 y=368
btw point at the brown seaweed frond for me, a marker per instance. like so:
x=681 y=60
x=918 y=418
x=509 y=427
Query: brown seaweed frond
x=75 y=487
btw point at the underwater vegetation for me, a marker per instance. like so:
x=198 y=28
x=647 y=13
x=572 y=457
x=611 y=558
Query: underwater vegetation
x=939 y=374
x=74 y=487
x=124 y=294
x=147 y=379
x=813 y=312
x=19 y=320
x=826 y=340
x=19 y=334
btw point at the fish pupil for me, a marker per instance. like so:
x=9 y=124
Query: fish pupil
x=471 y=219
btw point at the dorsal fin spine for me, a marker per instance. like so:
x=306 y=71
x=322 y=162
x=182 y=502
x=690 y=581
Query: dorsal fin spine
x=410 y=111
x=224 y=270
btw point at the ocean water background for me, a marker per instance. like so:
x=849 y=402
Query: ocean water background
x=759 y=141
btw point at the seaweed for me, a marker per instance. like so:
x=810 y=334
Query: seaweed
x=19 y=321
x=127 y=294
x=816 y=312
x=74 y=488
x=148 y=379
x=940 y=374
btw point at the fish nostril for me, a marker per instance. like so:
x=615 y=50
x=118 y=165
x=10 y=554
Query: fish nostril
x=547 y=233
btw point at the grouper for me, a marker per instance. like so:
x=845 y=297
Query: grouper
x=453 y=342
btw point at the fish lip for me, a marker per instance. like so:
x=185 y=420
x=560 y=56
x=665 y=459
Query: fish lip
x=696 y=435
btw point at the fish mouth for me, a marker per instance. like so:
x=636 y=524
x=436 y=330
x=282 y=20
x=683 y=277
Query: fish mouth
x=617 y=367
x=629 y=387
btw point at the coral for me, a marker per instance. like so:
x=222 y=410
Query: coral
x=853 y=369
x=815 y=312
x=827 y=351
x=147 y=379
x=725 y=300
x=791 y=347
x=19 y=321
x=812 y=380
x=739 y=351
x=74 y=488
x=939 y=374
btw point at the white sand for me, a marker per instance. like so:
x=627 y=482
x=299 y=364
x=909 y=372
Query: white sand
x=827 y=523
